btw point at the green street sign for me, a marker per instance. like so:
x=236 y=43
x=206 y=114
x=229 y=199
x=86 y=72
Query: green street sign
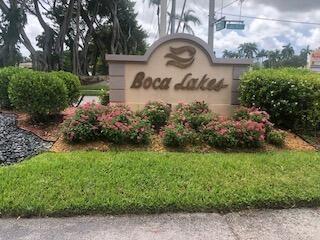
x=220 y=25
x=236 y=26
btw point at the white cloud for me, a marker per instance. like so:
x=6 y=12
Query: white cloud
x=268 y=34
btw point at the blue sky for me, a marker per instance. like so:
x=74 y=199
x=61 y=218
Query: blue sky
x=267 y=34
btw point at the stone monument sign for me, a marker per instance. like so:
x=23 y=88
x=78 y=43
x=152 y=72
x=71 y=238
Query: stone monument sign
x=176 y=68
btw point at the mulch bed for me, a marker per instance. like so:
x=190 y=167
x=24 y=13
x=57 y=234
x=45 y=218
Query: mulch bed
x=292 y=142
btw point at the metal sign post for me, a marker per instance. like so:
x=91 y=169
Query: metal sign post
x=211 y=24
x=163 y=18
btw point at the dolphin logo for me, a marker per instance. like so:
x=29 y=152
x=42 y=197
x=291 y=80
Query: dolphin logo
x=181 y=62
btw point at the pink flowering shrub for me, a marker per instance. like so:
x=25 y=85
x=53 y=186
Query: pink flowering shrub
x=140 y=131
x=248 y=128
x=115 y=123
x=83 y=125
x=195 y=114
x=234 y=134
x=177 y=135
x=120 y=125
x=220 y=133
x=254 y=114
x=250 y=134
x=157 y=113
x=188 y=124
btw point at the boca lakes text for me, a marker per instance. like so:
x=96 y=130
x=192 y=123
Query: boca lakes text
x=187 y=83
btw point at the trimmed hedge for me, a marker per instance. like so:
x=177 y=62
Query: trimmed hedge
x=38 y=94
x=5 y=76
x=290 y=96
x=72 y=83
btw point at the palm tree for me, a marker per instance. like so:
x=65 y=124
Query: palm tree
x=305 y=52
x=274 y=59
x=248 y=50
x=287 y=51
x=261 y=55
x=156 y=3
x=187 y=18
x=230 y=54
x=181 y=15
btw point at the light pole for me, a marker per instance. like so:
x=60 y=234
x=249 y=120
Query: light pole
x=211 y=23
x=163 y=18
x=173 y=17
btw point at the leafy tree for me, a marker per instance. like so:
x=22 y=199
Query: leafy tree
x=285 y=57
x=188 y=18
x=156 y=3
x=287 y=51
x=70 y=28
x=12 y=22
x=248 y=50
x=230 y=54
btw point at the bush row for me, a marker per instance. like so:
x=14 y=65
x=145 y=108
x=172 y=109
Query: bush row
x=191 y=123
x=290 y=96
x=187 y=124
x=116 y=124
x=37 y=93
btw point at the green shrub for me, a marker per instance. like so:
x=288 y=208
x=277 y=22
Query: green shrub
x=253 y=114
x=38 y=94
x=5 y=76
x=84 y=124
x=140 y=131
x=104 y=97
x=290 y=96
x=157 y=113
x=276 y=137
x=115 y=123
x=176 y=135
x=195 y=114
x=220 y=134
x=72 y=83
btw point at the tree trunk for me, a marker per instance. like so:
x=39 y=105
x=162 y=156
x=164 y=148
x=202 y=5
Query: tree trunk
x=59 y=46
x=75 y=63
x=89 y=22
x=181 y=15
x=115 y=30
x=48 y=39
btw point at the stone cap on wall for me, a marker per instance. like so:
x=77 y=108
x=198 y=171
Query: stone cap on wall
x=113 y=58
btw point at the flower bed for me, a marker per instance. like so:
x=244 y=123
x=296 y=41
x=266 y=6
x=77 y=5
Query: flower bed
x=188 y=124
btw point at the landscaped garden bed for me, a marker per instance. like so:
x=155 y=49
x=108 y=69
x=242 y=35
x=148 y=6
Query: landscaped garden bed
x=158 y=126
x=138 y=172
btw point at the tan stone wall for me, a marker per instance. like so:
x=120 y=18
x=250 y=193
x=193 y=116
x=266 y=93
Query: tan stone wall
x=156 y=67
x=123 y=73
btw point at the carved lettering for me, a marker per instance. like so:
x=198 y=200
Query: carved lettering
x=141 y=80
x=203 y=82
x=165 y=83
x=137 y=82
x=187 y=83
x=179 y=86
x=211 y=84
x=156 y=83
x=147 y=83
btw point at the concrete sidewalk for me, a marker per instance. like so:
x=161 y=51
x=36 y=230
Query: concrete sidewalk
x=270 y=224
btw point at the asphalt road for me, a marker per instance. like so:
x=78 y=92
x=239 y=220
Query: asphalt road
x=269 y=224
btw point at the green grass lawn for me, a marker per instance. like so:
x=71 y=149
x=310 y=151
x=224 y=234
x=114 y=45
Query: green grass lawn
x=145 y=182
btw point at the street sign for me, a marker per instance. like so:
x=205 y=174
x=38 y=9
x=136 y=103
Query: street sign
x=220 y=25
x=236 y=26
